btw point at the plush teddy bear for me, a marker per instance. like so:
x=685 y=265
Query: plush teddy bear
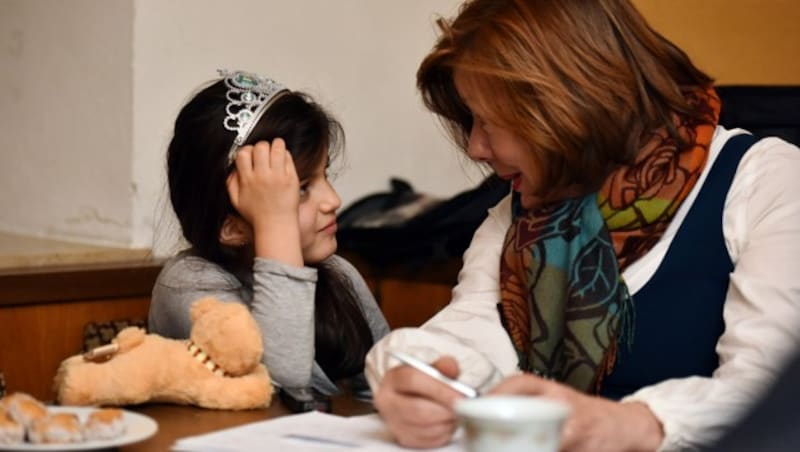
x=218 y=367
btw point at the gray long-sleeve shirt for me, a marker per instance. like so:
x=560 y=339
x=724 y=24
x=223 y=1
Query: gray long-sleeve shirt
x=281 y=300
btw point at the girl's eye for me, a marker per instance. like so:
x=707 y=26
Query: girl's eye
x=303 y=190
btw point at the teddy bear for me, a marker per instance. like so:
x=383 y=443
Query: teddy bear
x=219 y=367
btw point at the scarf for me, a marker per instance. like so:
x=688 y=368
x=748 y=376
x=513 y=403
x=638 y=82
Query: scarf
x=563 y=301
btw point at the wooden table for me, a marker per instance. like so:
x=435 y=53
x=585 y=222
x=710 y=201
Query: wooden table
x=175 y=421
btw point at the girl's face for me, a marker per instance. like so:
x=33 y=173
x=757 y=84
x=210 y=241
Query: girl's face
x=318 y=204
x=506 y=152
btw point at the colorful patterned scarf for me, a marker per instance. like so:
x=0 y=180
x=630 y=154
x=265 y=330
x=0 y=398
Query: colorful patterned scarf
x=563 y=300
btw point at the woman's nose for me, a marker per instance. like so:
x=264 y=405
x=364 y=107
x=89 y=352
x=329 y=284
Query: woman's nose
x=478 y=148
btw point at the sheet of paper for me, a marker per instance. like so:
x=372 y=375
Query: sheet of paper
x=307 y=432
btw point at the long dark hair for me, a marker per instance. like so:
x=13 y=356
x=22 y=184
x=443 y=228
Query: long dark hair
x=197 y=170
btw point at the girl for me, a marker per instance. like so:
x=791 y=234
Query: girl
x=247 y=180
x=646 y=253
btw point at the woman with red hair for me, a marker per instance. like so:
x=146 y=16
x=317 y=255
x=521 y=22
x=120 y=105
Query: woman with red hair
x=644 y=267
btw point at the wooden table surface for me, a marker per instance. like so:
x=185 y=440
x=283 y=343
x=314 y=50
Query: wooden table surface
x=175 y=421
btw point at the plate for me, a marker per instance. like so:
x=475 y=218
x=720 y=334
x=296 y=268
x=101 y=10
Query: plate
x=138 y=428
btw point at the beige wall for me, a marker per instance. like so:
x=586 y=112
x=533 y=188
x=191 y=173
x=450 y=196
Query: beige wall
x=90 y=88
x=735 y=41
x=65 y=128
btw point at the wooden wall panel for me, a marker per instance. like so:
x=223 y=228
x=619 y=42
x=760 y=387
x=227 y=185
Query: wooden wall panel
x=410 y=303
x=34 y=339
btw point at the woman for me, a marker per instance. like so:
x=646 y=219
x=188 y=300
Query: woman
x=646 y=254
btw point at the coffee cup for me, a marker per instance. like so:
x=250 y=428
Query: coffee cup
x=511 y=423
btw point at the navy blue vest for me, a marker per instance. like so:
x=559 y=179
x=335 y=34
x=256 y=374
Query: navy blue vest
x=679 y=311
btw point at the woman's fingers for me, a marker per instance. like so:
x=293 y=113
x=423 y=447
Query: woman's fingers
x=448 y=366
x=421 y=412
x=414 y=419
x=429 y=436
x=525 y=384
x=410 y=381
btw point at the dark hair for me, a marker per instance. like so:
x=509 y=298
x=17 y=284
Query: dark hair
x=197 y=170
x=584 y=82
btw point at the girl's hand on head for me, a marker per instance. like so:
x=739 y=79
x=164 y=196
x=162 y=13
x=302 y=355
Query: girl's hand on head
x=417 y=409
x=596 y=424
x=265 y=190
x=264 y=184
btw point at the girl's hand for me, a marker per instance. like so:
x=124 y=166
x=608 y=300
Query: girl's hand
x=596 y=424
x=417 y=409
x=264 y=184
x=265 y=190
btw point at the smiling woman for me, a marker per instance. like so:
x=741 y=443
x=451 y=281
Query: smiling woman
x=626 y=218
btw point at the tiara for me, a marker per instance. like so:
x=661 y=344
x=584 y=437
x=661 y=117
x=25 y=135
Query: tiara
x=249 y=96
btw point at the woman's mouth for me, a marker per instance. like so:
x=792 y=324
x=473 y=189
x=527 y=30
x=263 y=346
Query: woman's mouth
x=516 y=180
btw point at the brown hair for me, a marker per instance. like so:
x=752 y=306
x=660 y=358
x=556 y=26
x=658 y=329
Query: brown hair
x=584 y=82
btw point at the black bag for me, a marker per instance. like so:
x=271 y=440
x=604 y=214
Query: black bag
x=405 y=227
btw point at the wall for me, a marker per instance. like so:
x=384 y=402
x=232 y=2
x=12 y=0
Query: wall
x=735 y=41
x=90 y=88
x=65 y=109
x=358 y=57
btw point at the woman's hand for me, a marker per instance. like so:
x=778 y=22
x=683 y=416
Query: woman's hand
x=596 y=424
x=417 y=409
x=265 y=190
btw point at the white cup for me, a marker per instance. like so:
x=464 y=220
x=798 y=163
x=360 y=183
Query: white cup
x=511 y=423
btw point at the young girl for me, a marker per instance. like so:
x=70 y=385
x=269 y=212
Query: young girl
x=247 y=179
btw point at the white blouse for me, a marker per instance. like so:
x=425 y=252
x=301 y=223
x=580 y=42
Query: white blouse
x=761 y=226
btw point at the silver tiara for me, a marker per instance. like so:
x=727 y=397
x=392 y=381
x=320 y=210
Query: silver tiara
x=249 y=95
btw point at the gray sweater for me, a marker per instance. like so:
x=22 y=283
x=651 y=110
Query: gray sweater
x=281 y=300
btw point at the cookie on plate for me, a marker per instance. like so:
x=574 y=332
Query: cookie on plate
x=23 y=408
x=11 y=431
x=106 y=423
x=59 y=428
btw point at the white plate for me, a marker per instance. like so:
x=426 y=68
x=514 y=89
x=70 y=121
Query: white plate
x=138 y=427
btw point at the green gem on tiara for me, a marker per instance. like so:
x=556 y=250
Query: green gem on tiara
x=248 y=95
x=246 y=80
x=244 y=115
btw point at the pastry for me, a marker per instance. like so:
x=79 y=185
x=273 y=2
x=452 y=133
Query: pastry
x=107 y=423
x=57 y=428
x=11 y=431
x=23 y=408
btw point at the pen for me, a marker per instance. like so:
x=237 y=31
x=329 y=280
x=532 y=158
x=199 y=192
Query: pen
x=431 y=371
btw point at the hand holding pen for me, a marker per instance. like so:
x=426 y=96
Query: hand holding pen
x=434 y=373
x=416 y=400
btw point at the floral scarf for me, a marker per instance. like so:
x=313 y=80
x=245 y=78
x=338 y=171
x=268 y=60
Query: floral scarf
x=563 y=300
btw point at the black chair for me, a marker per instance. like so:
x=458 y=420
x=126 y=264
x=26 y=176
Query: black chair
x=763 y=110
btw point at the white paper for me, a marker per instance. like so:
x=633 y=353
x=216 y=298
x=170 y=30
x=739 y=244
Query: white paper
x=321 y=432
